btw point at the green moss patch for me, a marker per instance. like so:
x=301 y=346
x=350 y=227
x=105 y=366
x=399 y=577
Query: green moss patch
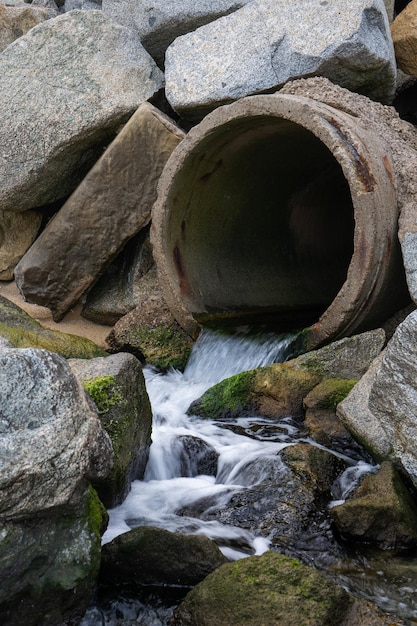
x=226 y=399
x=24 y=332
x=264 y=591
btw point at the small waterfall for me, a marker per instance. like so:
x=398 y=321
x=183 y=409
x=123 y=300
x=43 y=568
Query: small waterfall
x=169 y=485
x=196 y=465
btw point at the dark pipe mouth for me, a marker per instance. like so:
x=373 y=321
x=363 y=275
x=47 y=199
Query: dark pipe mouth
x=280 y=208
x=261 y=225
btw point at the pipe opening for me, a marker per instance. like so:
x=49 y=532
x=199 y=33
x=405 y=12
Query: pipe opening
x=261 y=225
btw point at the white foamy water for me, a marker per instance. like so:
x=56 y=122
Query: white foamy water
x=165 y=490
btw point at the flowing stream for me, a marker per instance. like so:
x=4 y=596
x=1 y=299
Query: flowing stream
x=180 y=476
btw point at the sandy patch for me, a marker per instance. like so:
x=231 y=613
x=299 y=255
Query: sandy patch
x=72 y=323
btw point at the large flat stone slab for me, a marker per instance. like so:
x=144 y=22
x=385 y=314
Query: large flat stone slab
x=111 y=205
x=266 y=43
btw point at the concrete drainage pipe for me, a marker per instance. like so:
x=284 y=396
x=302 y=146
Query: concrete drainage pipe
x=279 y=209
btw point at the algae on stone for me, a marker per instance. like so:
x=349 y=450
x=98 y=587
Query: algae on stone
x=264 y=590
x=381 y=511
x=24 y=332
x=117 y=387
x=55 y=561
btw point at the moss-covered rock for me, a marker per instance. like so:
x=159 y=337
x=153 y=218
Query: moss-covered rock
x=381 y=511
x=117 y=387
x=278 y=390
x=22 y=331
x=264 y=591
x=321 y=419
x=49 y=565
x=152 y=556
x=150 y=330
x=316 y=465
x=328 y=393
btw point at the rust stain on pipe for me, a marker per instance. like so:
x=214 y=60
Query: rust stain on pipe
x=364 y=175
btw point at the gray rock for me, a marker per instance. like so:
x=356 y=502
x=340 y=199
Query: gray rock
x=17 y=233
x=112 y=204
x=51 y=444
x=51 y=440
x=159 y=23
x=67 y=85
x=49 y=565
x=381 y=409
x=266 y=43
x=117 y=386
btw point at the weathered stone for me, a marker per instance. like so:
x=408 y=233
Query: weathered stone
x=267 y=43
x=118 y=291
x=148 y=555
x=158 y=24
x=284 y=500
x=51 y=440
x=279 y=389
x=22 y=331
x=381 y=409
x=403 y=30
x=117 y=386
x=111 y=205
x=264 y=591
x=17 y=20
x=321 y=420
x=381 y=511
x=67 y=85
x=17 y=232
x=49 y=565
x=150 y=330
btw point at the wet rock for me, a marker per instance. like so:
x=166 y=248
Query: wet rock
x=51 y=444
x=264 y=591
x=321 y=419
x=118 y=291
x=49 y=565
x=17 y=233
x=266 y=45
x=15 y=21
x=150 y=330
x=67 y=85
x=285 y=500
x=153 y=556
x=381 y=410
x=112 y=204
x=158 y=24
x=196 y=456
x=278 y=390
x=22 y=331
x=403 y=30
x=117 y=387
x=380 y=511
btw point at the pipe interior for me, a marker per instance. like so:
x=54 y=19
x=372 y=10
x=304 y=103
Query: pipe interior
x=261 y=224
